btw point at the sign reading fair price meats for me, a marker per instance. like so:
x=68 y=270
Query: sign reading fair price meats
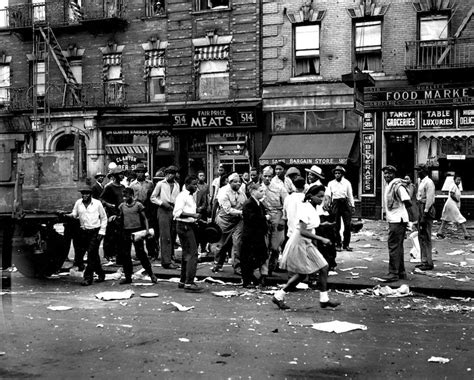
x=437 y=119
x=210 y=118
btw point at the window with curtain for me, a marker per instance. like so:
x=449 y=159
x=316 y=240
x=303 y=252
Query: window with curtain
x=4 y=83
x=433 y=28
x=306 y=50
x=213 y=79
x=368 y=45
x=202 y=5
x=40 y=79
x=156 y=84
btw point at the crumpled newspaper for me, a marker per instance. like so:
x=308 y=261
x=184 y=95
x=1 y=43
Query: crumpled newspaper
x=438 y=359
x=181 y=307
x=387 y=291
x=338 y=326
x=59 y=308
x=110 y=296
x=226 y=293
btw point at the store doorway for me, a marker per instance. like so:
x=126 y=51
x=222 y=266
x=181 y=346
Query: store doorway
x=401 y=152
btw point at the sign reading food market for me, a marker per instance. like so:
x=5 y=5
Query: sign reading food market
x=439 y=95
x=400 y=119
x=437 y=119
x=210 y=118
x=466 y=118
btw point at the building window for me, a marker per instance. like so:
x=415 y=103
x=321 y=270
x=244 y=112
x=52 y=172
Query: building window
x=76 y=68
x=113 y=78
x=4 y=83
x=154 y=8
x=40 y=78
x=202 y=5
x=155 y=75
x=39 y=10
x=308 y=121
x=433 y=28
x=306 y=50
x=213 y=79
x=3 y=13
x=368 y=45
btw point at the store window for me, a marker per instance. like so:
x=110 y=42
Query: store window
x=310 y=121
x=368 y=45
x=306 y=50
x=203 y=5
x=214 y=79
x=154 y=8
x=4 y=83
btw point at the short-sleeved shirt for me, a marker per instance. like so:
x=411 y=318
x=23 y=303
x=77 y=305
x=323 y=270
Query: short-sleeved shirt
x=398 y=212
x=290 y=210
x=308 y=215
x=131 y=215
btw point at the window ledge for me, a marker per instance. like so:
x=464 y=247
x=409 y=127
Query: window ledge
x=143 y=18
x=206 y=11
x=308 y=78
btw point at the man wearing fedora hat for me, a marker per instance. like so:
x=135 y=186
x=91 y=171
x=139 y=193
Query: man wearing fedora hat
x=93 y=222
x=164 y=195
x=315 y=175
x=425 y=199
x=142 y=189
x=339 y=192
x=98 y=186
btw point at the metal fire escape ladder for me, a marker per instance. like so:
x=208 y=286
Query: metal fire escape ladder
x=61 y=61
x=456 y=35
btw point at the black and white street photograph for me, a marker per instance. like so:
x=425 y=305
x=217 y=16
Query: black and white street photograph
x=237 y=189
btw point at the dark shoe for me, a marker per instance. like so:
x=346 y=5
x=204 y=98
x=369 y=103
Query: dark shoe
x=440 y=236
x=426 y=267
x=86 y=282
x=192 y=288
x=154 y=279
x=391 y=278
x=324 y=305
x=280 y=303
x=216 y=269
x=170 y=266
x=181 y=285
x=125 y=281
x=347 y=248
x=101 y=278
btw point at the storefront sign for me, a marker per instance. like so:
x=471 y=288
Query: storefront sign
x=368 y=121
x=437 y=119
x=455 y=156
x=376 y=98
x=368 y=163
x=136 y=131
x=213 y=118
x=400 y=120
x=466 y=118
x=305 y=161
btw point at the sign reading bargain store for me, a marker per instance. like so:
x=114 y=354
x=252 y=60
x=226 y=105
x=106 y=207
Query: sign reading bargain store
x=213 y=118
x=417 y=97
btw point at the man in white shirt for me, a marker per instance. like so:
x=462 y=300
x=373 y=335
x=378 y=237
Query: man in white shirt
x=93 y=221
x=396 y=201
x=280 y=178
x=425 y=199
x=185 y=214
x=164 y=195
x=339 y=192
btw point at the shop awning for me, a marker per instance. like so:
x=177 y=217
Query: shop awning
x=312 y=149
x=121 y=149
x=462 y=135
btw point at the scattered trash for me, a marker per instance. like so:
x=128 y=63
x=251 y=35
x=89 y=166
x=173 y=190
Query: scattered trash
x=100 y=326
x=332 y=273
x=300 y=321
x=438 y=359
x=142 y=284
x=185 y=340
x=181 y=307
x=113 y=276
x=338 y=326
x=110 y=296
x=226 y=293
x=2 y=353
x=302 y=286
x=59 y=308
x=212 y=280
x=456 y=252
x=378 y=279
x=352 y=268
x=387 y=291
x=293 y=362
x=149 y=295
x=275 y=331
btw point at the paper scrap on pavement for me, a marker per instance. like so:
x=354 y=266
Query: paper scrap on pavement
x=59 y=308
x=185 y=340
x=378 y=279
x=456 y=252
x=149 y=295
x=110 y=296
x=212 y=280
x=100 y=326
x=226 y=293
x=402 y=291
x=113 y=276
x=302 y=286
x=181 y=307
x=338 y=326
x=438 y=359
x=300 y=321
x=332 y=273
x=142 y=284
x=352 y=268
x=368 y=258
x=464 y=279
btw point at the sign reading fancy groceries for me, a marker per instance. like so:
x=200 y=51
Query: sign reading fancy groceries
x=209 y=118
x=417 y=96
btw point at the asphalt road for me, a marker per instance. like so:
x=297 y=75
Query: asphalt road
x=226 y=338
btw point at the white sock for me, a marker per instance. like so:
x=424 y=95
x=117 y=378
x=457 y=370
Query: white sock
x=280 y=295
x=323 y=297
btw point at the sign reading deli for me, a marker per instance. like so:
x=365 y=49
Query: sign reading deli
x=400 y=97
x=214 y=118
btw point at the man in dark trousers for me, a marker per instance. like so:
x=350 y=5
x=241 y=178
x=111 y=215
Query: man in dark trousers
x=98 y=186
x=202 y=204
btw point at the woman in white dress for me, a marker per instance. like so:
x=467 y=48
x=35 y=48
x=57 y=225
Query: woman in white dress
x=451 y=210
x=300 y=255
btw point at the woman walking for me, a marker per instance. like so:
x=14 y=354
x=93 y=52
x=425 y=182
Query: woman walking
x=451 y=212
x=301 y=255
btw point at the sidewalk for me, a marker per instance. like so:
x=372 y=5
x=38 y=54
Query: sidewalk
x=453 y=274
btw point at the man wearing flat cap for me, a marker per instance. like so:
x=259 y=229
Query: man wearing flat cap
x=396 y=202
x=164 y=195
x=425 y=199
x=339 y=192
x=93 y=223
x=142 y=189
